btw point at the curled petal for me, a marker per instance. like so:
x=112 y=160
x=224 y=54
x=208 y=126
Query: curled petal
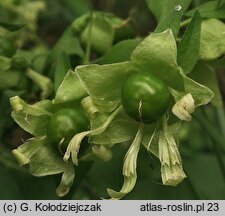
x=74 y=145
x=171 y=165
x=172 y=175
x=66 y=181
x=129 y=167
x=184 y=107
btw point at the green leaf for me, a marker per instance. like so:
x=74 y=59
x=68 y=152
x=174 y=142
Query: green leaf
x=201 y=94
x=115 y=55
x=157 y=54
x=43 y=160
x=188 y=49
x=46 y=161
x=43 y=82
x=206 y=75
x=104 y=83
x=69 y=44
x=212 y=44
x=24 y=153
x=32 y=118
x=161 y=9
x=171 y=21
x=99 y=33
x=209 y=10
x=62 y=65
x=121 y=129
x=70 y=89
x=35 y=125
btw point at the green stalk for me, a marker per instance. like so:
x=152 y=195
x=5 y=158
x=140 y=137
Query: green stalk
x=88 y=47
x=185 y=23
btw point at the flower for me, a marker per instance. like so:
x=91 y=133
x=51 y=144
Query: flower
x=171 y=166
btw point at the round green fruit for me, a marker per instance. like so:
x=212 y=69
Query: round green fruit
x=145 y=97
x=66 y=123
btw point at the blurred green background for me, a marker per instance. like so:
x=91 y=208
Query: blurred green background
x=202 y=160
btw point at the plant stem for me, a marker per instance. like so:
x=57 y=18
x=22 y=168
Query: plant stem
x=185 y=23
x=88 y=47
